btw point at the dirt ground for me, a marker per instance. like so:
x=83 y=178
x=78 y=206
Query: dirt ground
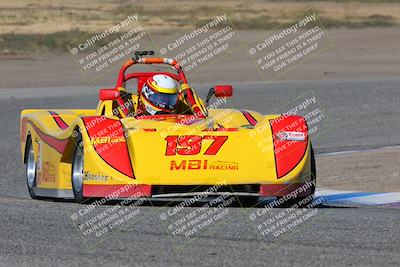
x=375 y=170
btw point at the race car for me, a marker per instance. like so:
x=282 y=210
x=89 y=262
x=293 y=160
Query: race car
x=116 y=152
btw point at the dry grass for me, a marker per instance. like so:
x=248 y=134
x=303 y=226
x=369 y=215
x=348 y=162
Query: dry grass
x=47 y=24
x=32 y=16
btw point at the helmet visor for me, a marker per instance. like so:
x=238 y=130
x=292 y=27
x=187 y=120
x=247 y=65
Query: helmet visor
x=161 y=100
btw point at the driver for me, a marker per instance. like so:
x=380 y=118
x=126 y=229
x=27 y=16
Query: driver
x=159 y=95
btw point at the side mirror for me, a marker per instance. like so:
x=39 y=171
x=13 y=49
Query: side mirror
x=219 y=91
x=108 y=94
x=223 y=90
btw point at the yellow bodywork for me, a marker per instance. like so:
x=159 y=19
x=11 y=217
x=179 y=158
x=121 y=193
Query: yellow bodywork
x=246 y=157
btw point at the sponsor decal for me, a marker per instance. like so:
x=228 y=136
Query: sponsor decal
x=39 y=164
x=198 y=164
x=23 y=129
x=291 y=136
x=107 y=139
x=224 y=165
x=48 y=172
x=88 y=176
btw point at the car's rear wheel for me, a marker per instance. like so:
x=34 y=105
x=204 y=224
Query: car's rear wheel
x=31 y=167
x=77 y=171
x=304 y=201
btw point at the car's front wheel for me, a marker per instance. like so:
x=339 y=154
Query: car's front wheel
x=31 y=167
x=77 y=171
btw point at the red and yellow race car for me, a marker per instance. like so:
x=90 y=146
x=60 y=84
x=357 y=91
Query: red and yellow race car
x=116 y=152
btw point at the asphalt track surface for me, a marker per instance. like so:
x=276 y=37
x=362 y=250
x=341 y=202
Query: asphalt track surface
x=363 y=114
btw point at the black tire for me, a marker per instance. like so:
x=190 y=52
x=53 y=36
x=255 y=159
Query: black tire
x=77 y=171
x=31 y=166
x=304 y=201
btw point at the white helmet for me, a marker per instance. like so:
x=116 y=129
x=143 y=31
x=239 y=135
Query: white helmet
x=160 y=94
